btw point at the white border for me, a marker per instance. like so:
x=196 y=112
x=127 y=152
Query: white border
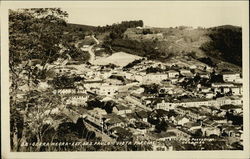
x=176 y=154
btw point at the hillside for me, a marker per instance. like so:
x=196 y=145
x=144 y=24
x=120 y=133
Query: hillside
x=81 y=27
x=225 y=44
x=222 y=43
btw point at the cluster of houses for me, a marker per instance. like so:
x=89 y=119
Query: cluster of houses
x=135 y=108
x=197 y=102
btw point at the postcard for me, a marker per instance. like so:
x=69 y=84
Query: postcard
x=125 y=79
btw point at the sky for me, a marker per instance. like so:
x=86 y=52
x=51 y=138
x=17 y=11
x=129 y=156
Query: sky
x=159 y=14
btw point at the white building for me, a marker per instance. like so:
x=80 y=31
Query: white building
x=231 y=77
x=64 y=91
x=65 y=70
x=236 y=91
x=184 y=71
x=121 y=110
x=199 y=102
x=173 y=74
x=77 y=99
x=207 y=131
x=219 y=85
x=155 y=77
x=165 y=106
x=182 y=120
x=108 y=90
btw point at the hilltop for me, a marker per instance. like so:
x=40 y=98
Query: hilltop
x=81 y=27
x=221 y=43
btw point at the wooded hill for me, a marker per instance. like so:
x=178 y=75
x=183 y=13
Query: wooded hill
x=222 y=43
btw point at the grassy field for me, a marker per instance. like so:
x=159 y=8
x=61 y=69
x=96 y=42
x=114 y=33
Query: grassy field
x=118 y=59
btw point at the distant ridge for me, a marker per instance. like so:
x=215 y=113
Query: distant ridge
x=81 y=27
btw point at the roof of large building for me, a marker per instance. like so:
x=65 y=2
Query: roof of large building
x=229 y=73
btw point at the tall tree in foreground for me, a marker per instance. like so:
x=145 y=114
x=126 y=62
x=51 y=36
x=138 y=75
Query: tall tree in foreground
x=36 y=37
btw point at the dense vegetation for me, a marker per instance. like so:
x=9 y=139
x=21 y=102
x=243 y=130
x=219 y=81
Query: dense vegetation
x=115 y=41
x=226 y=44
x=107 y=105
x=38 y=37
x=117 y=30
x=144 y=49
x=65 y=81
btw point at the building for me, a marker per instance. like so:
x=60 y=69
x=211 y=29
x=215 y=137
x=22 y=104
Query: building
x=142 y=115
x=80 y=89
x=219 y=85
x=96 y=116
x=64 y=91
x=159 y=114
x=121 y=110
x=205 y=109
x=165 y=106
x=209 y=95
x=197 y=102
x=173 y=74
x=205 y=89
x=193 y=67
x=186 y=73
x=90 y=84
x=113 y=120
x=236 y=90
x=132 y=117
x=136 y=89
x=163 y=136
x=108 y=90
x=155 y=77
x=231 y=77
x=192 y=126
x=204 y=75
x=181 y=120
x=77 y=99
x=180 y=133
x=207 y=131
x=65 y=70
x=192 y=113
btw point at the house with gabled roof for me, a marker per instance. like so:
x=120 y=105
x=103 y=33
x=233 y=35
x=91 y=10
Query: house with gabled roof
x=113 y=120
x=181 y=120
x=142 y=115
x=121 y=110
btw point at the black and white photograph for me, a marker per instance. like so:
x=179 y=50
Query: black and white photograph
x=126 y=76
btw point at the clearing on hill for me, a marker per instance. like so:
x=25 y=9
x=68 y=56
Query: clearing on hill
x=118 y=58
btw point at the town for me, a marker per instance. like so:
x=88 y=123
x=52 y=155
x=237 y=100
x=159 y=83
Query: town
x=152 y=101
x=122 y=87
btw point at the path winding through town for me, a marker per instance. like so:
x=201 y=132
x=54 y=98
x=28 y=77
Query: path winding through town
x=90 y=50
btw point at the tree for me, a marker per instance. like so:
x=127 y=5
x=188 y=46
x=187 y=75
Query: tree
x=39 y=110
x=151 y=89
x=225 y=43
x=162 y=126
x=35 y=36
x=197 y=133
